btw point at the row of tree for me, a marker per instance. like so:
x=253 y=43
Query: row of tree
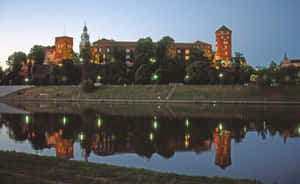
x=153 y=64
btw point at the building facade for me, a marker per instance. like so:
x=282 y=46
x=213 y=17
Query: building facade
x=223 y=45
x=286 y=62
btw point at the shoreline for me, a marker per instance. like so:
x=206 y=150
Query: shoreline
x=152 y=101
x=29 y=168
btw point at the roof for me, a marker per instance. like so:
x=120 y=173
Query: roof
x=224 y=28
x=295 y=60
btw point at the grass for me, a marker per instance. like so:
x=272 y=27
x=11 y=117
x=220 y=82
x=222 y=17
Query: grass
x=24 y=168
x=183 y=92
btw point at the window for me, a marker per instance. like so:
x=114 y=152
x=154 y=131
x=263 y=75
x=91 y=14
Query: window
x=179 y=51
x=107 y=50
x=127 y=56
x=187 y=58
x=226 y=53
x=187 y=51
x=127 y=50
x=225 y=47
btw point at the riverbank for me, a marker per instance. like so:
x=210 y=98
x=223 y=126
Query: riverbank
x=186 y=94
x=24 y=168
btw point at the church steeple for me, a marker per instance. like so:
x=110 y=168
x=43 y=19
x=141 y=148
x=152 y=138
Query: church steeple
x=285 y=56
x=85 y=38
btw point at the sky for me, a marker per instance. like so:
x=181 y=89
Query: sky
x=263 y=30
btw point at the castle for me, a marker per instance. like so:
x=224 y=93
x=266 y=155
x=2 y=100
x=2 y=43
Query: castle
x=100 y=50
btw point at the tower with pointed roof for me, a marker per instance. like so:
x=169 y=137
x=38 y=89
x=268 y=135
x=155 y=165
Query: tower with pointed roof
x=223 y=45
x=85 y=39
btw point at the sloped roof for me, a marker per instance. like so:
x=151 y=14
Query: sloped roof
x=224 y=28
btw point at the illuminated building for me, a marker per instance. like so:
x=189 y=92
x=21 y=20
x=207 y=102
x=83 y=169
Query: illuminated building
x=223 y=46
x=222 y=138
x=289 y=62
x=104 y=47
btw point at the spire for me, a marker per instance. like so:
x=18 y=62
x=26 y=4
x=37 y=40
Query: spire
x=85 y=37
x=285 y=56
x=84 y=28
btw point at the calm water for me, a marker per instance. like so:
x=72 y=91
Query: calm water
x=256 y=142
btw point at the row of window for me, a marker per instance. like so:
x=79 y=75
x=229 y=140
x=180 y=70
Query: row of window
x=60 y=46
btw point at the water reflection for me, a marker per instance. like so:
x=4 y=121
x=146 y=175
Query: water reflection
x=107 y=135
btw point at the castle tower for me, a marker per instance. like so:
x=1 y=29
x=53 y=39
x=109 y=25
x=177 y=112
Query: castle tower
x=223 y=45
x=63 y=48
x=85 y=39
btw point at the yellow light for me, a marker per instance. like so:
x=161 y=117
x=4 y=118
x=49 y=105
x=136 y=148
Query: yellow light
x=27 y=119
x=64 y=120
x=187 y=58
x=155 y=124
x=151 y=136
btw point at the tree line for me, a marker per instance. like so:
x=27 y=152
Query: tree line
x=153 y=64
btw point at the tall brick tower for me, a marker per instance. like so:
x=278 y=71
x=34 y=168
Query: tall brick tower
x=223 y=45
x=63 y=48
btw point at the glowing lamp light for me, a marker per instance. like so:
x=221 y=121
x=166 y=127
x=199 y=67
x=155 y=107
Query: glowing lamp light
x=154 y=77
x=221 y=75
x=99 y=77
x=26 y=80
x=186 y=77
x=81 y=136
x=187 y=123
x=151 y=136
x=217 y=68
x=299 y=130
x=152 y=60
x=155 y=124
x=27 y=119
x=64 y=120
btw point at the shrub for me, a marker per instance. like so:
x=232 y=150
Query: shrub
x=87 y=85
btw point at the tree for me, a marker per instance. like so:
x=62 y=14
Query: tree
x=37 y=53
x=85 y=54
x=197 y=73
x=1 y=76
x=70 y=72
x=197 y=54
x=117 y=54
x=115 y=73
x=162 y=48
x=144 y=51
x=143 y=74
x=15 y=62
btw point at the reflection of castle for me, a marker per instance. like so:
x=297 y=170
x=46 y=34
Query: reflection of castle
x=222 y=138
x=64 y=147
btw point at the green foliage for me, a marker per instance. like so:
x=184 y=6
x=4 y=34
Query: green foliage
x=70 y=73
x=162 y=47
x=197 y=72
x=87 y=86
x=37 y=52
x=197 y=54
x=115 y=73
x=143 y=74
x=14 y=61
x=144 y=51
x=117 y=54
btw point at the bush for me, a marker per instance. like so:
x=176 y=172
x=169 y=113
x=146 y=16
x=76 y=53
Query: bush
x=87 y=85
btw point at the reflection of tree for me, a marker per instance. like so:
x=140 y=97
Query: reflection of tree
x=107 y=135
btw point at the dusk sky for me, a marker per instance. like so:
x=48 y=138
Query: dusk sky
x=263 y=30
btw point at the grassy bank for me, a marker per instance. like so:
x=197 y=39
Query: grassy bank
x=26 y=168
x=179 y=92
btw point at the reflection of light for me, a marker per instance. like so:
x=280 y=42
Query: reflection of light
x=245 y=129
x=187 y=123
x=155 y=117
x=151 y=136
x=220 y=126
x=27 y=119
x=187 y=140
x=99 y=122
x=299 y=130
x=265 y=123
x=155 y=124
x=152 y=60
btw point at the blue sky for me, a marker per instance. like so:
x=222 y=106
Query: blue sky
x=262 y=29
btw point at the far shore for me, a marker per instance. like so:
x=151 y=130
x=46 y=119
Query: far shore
x=161 y=94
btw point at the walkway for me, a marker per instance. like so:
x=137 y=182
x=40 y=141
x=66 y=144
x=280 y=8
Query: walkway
x=5 y=90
